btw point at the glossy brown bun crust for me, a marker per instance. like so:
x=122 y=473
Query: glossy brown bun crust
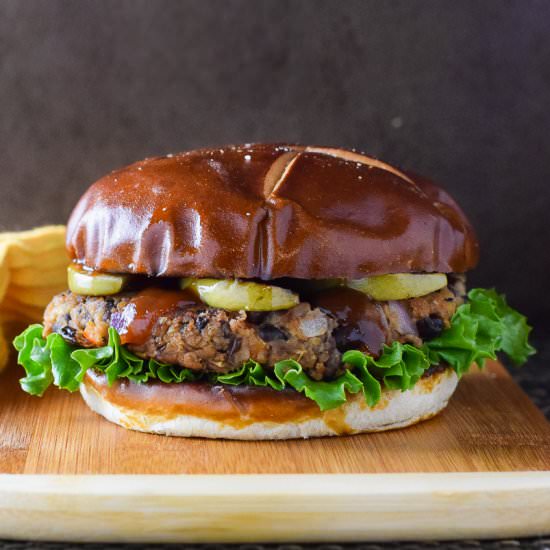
x=268 y=211
x=199 y=409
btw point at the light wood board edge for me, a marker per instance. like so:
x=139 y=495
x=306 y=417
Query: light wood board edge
x=274 y=508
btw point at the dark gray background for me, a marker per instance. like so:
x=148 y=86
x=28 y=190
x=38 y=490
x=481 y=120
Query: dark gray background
x=459 y=91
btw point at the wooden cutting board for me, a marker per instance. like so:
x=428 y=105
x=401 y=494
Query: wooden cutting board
x=481 y=468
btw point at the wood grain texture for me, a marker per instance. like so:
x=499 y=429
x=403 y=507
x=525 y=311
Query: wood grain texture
x=274 y=508
x=490 y=425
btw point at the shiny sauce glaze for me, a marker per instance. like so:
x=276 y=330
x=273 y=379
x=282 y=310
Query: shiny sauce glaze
x=362 y=323
x=135 y=322
x=238 y=406
x=268 y=211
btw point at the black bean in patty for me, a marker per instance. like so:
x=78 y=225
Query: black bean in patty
x=269 y=333
x=430 y=327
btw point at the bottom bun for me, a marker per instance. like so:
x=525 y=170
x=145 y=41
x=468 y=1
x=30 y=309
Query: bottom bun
x=199 y=409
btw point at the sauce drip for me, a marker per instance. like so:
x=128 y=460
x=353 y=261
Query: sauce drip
x=363 y=324
x=135 y=322
x=238 y=406
x=288 y=213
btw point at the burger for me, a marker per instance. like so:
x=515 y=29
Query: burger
x=267 y=292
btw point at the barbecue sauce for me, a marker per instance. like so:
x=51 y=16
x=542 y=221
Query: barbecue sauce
x=268 y=211
x=135 y=322
x=237 y=406
x=362 y=322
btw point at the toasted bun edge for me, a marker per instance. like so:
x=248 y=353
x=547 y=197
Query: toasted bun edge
x=395 y=410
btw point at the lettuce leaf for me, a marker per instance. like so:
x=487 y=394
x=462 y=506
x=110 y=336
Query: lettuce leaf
x=35 y=359
x=53 y=361
x=399 y=367
x=479 y=329
x=328 y=395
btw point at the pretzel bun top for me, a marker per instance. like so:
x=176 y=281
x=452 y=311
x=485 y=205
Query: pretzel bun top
x=268 y=211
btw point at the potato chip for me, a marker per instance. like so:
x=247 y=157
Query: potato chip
x=40 y=239
x=20 y=258
x=33 y=268
x=41 y=248
x=31 y=276
x=34 y=296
